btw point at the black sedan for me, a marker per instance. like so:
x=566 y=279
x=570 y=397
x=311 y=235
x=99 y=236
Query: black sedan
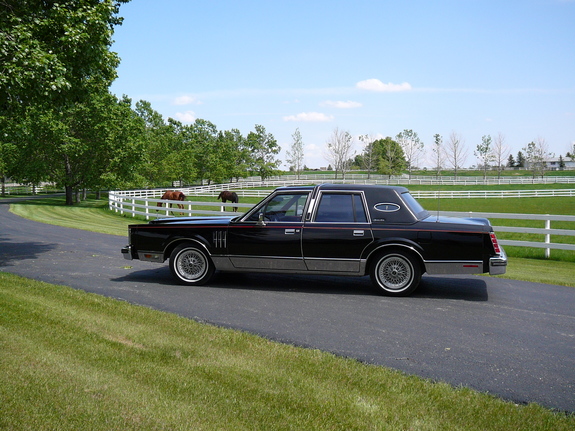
x=328 y=229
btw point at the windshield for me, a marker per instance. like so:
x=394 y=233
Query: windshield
x=281 y=207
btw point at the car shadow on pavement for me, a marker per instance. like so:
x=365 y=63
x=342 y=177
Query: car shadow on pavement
x=259 y=281
x=467 y=288
x=464 y=287
x=11 y=251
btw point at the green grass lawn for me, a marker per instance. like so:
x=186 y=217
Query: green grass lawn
x=73 y=360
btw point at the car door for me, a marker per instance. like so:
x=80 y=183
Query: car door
x=337 y=233
x=270 y=236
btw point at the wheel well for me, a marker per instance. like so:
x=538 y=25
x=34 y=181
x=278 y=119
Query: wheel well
x=390 y=248
x=171 y=246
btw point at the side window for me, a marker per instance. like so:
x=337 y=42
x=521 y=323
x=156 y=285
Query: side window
x=341 y=208
x=282 y=207
x=359 y=209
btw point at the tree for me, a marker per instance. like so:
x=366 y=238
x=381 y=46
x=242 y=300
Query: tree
x=535 y=155
x=484 y=154
x=389 y=156
x=56 y=62
x=263 y=148
x=238 y=160
x=55 y=53
x=520 y=162
x=158 y=141
x=295 y=156
x=500 y=152
x=412 y=148
x=561 y=163
x=339 y=151
x=455 y=151
x=203 y=137
x=94 y=144
x=511 y=161
x=368 y=158
x=571 y=153
x=439 y=153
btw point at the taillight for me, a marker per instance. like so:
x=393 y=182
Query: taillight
x=495 y=243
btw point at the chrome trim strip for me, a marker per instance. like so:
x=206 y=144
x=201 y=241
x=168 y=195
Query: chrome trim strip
x=454 y=266
x=268 y=263
x=333 y=266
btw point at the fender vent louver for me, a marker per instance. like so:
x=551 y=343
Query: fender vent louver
x=220 y=239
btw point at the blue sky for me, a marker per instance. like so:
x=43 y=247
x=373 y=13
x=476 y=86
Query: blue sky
x=369 y=67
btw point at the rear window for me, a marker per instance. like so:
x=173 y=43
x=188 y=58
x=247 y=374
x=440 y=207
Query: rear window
x=413 y=205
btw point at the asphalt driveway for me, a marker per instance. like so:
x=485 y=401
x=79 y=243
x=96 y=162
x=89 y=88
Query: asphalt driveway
x=509 y=338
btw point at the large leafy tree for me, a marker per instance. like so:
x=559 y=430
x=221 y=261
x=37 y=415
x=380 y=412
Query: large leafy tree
x=203 y=136
x=158 y=140
x=55 y=51
x=55 y=61
x=389 y=156
x=95 y=144
x=263 y=148
x=235 y=153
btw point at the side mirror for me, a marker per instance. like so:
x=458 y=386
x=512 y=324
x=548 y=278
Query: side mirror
x=261 y=221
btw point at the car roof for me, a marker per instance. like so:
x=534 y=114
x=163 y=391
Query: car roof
x=329 y=186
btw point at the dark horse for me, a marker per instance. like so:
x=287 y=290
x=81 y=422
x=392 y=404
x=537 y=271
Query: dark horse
x=229 y=196
x=172 y=195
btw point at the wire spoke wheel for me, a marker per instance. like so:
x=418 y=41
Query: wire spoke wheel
x=190 y=265
x=396 y=274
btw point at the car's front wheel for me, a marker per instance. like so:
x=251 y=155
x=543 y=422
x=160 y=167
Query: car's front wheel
x=396 y=273
x=191 y=265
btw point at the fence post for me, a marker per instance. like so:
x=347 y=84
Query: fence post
x=133 y=207
x=547 y=238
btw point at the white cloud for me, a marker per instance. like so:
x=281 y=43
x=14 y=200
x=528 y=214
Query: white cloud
x=186 y=100
x=341 y=104
x=377 y=85
x=186 y=117
x=312 y=117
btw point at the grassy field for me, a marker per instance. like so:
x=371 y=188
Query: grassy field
x=73 y=360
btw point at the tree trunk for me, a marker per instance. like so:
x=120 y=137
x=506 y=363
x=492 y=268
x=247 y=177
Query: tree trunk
x=69 y=195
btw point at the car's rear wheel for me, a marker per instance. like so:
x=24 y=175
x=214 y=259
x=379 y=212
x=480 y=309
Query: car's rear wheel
x=191 y=265
x=396 y=273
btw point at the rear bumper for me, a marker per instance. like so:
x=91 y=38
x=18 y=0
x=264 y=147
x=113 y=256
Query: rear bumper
x=498 y=264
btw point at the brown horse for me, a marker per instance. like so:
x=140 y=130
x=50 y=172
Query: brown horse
x=172 y=195
x=229 y=196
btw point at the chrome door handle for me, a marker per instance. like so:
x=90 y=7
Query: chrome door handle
x=290 y=231
x=358 y=232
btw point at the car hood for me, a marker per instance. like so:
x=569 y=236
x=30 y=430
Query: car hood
x=213 y=220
